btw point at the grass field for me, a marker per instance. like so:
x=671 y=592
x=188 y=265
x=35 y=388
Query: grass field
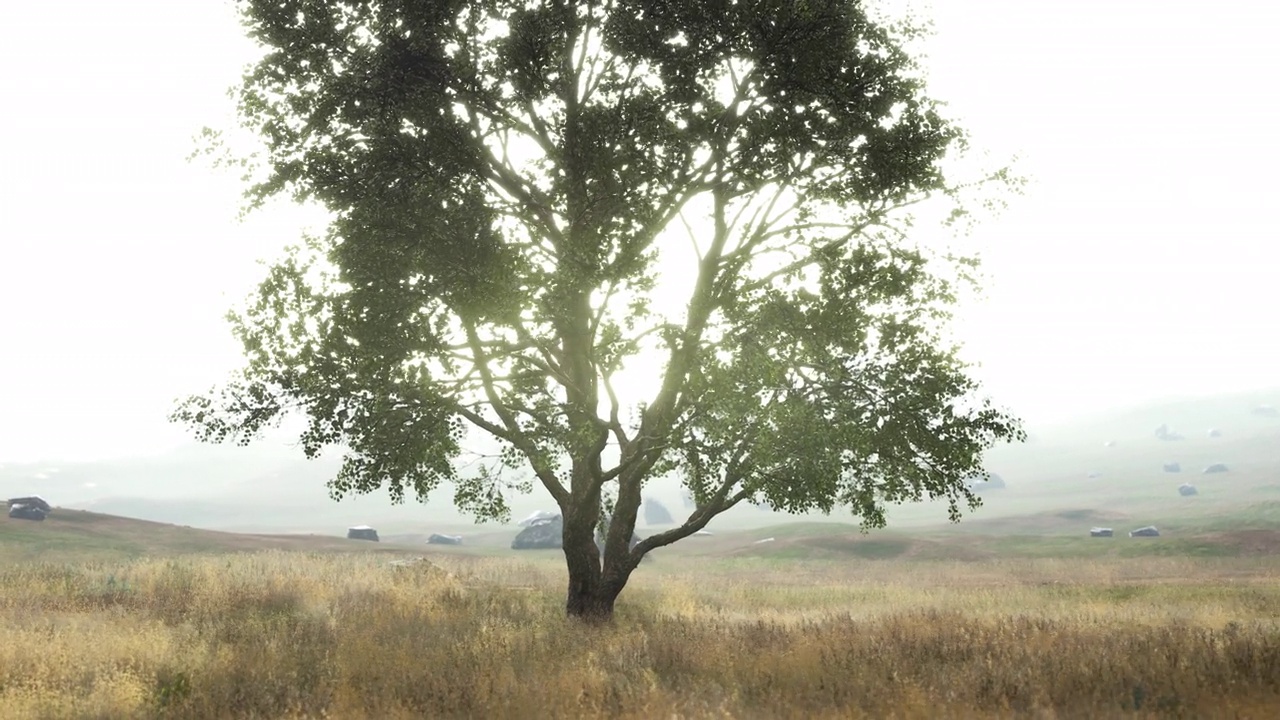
x=1015 y=612
x=213 y=625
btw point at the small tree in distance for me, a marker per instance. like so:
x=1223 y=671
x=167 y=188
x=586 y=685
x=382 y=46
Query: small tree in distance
x=504 y=176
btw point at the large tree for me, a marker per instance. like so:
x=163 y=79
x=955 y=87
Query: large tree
x=509 y=181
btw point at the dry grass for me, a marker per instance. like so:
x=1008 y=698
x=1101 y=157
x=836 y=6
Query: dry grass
x=283 y=634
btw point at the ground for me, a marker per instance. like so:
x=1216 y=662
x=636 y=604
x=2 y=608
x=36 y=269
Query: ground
x=1015 y=612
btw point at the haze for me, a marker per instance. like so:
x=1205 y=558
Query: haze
x=1135 y=267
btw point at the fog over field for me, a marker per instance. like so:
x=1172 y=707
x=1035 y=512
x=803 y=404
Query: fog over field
x=1106 y=469
x=1132 y=275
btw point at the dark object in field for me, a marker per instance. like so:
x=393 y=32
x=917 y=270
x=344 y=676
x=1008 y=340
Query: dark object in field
x=1215 y=432
x=1172 y=467
x=32 y=507
x=655 y=513
x=1266 y=411
x=1164 y=433
x=992 y=482
x=542 y=533
x=537 y=517
x=1101 y=532
x=1187 y=490
x=362 y=532
x=438 y=539
x=1214 y=468
x=1148 y=531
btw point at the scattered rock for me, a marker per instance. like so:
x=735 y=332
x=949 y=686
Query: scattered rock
x=1148 y=531
x=1187 y=490
x=1101 y=532
x=1214 y=468
x=362 y=532
x=1164 y=433
x=541 y=534
x=1215 y=432
x=1172 y=467
x=32 y=507
x=1266 y=411
x=438 y=539
x=655 y=513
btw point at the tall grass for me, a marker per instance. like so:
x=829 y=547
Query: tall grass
x=293 y=635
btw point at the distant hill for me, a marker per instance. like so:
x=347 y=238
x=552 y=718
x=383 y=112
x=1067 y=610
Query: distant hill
x=79 y=535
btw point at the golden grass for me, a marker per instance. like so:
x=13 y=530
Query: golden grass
x=281 y=634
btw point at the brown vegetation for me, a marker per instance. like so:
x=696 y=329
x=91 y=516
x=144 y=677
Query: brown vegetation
x=282 y=634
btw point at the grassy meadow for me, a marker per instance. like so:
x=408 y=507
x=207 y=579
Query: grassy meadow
x=283 y=633
x=1015 y=612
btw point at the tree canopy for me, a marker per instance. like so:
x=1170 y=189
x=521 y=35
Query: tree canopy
x=511 y=182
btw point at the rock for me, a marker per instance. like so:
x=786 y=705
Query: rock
x=991 y=482
x=438 y=539
x=1101 y=532
x=1215 y=432
x=32 y=507
x=1094 y=474
x=1148 y=531
x=1172 y=467
x=539 y=517
x=1266 y=411
x=1164 y=433
x=1214 y=468
x=548 y=534
x=542 y=534
x=362 y=532
x=655 y=513
x=1187 y=490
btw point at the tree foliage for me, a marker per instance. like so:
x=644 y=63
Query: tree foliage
x=506 y=178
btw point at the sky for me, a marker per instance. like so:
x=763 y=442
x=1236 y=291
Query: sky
x=1138 y=264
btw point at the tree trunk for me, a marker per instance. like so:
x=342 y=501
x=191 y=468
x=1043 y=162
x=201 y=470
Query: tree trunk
x=593 y=606
x=591 y=593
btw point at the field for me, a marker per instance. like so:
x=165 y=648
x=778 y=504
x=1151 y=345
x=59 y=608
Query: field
x=895 y=628
x=1015 y=612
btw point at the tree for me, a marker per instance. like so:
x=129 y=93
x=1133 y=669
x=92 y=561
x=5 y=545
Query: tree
x=503 y=177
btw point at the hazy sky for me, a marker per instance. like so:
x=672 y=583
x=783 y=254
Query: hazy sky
x=1140 y=263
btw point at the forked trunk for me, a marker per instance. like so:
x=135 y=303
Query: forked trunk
x=591 y=592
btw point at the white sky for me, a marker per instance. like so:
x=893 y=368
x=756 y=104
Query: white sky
x=1139 y=264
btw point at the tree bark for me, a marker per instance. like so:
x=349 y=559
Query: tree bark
x=591 y=592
